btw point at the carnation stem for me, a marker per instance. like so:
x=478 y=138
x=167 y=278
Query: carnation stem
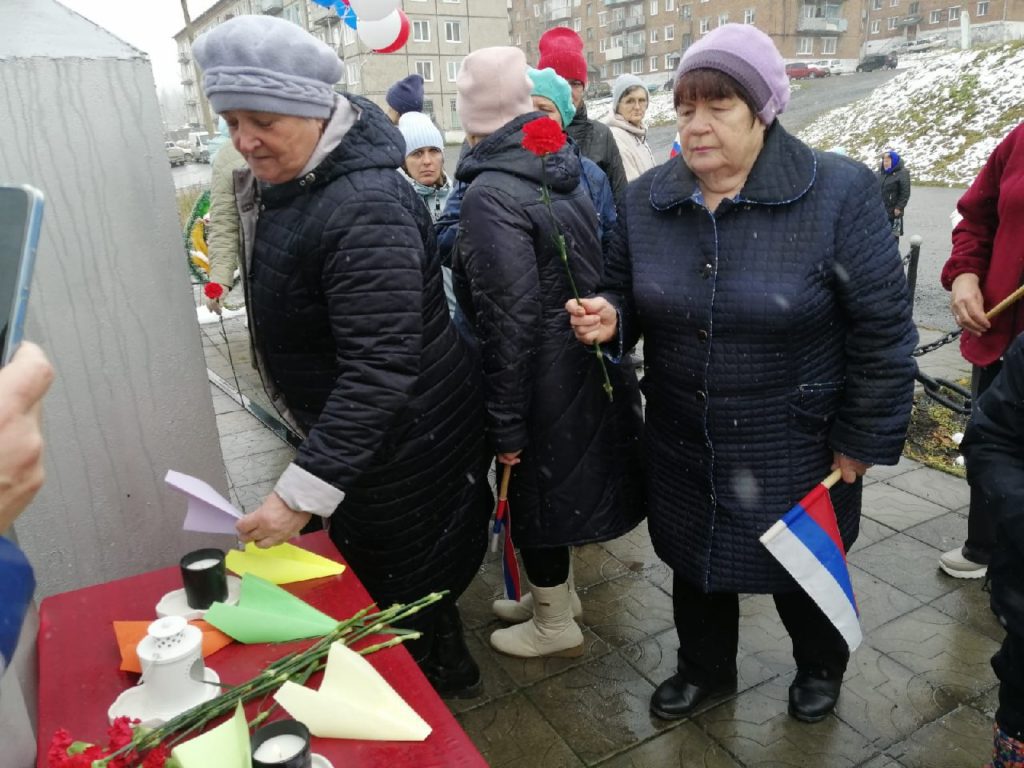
x=297 y=666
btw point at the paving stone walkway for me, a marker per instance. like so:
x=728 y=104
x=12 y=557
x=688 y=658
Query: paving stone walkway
x=918 y=693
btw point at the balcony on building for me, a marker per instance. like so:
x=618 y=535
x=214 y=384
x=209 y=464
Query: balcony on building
x=908 y=21
x=559 y=14
x=622 y=25
x=825 y=26
x=272 y=7
x=627 y=51
x=618 y=2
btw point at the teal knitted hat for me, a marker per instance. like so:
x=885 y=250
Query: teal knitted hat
x=551 y=85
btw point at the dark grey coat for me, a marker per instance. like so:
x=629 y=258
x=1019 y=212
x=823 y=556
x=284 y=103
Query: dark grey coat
x=595 y=141
x=579 y=477
x=776 y=331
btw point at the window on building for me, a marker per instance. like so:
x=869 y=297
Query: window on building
x=602 y=19
x=536 y=11
x=453 y=70
x=804 y=45
x=453 y=115
x=425 y=69
x=293 y=14
x=652 y=65
x=617 y=68
x=686 y=11
x=590 y=10
x=603 y=44
x=982 y=8
x=428 y=108
x=828 y=45
x=705 y=25
x=670 y=32
x=590 y=33
x=703 y=1
x=453 y=31
x=913 y=8
x=723 y=19
x=453 y=1
x=671 y=60
x=875 y=26
x=749 y=15
x=876 y=5
x=349 y=35
x=654 y=34
x=670 y=5
x=954 y=13
x=604 y=71
x=421 y=31
x=636 y=66
x=935 y=17
x=894 y=3
x=577 y=24
x=352 y=72
x=654 y=8
x=892 y=20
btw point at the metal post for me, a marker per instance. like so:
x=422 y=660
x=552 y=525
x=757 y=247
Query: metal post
x=915 y=254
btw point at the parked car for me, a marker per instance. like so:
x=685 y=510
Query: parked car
x=920 y=44
x=834 y=66
x=175 y=154
x=802 y=69
x=874 y=61
x=599 y=89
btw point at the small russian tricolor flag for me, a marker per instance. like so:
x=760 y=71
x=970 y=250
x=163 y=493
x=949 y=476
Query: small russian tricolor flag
x=503 y=524
x=676 y=148
x=807 y=544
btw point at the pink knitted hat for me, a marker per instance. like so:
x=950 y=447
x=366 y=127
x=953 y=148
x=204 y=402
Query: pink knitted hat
x=493 y=88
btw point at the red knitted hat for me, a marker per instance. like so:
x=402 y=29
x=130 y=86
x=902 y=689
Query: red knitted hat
x=562 y=50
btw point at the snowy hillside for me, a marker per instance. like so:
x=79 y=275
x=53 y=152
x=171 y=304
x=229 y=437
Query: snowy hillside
x=944 y=114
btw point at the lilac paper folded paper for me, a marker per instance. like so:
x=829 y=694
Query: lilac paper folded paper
x=208 y=511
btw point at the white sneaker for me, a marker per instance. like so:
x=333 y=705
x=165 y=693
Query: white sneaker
x=959 y=567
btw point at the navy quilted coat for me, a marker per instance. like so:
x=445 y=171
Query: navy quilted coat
x=776 y=330
x=348 y=310
x=579 y=478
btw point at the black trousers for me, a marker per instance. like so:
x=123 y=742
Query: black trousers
x=1008 y=664
x=546 y=566
x=708 y=628
x=981 y=532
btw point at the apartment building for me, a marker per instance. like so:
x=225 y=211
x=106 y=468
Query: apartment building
x=647 y=37
x=442 y=33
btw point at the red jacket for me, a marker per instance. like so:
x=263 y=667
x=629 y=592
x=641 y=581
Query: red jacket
x=989 y=242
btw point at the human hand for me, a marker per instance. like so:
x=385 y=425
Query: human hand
x=23 y=382
x=273 y=523
x=968 y=305
x=897 y=211
x=217 y=304
x=851 y=468
x=511 y=458
x=592 y=320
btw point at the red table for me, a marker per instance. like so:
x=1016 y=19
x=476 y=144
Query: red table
x=79 y=676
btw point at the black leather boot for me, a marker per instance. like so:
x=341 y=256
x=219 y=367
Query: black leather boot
x=677 y=697
x=814 y=694
x=449 y=667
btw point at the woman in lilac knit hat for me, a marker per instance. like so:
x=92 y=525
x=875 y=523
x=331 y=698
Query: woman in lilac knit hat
x=777 y=348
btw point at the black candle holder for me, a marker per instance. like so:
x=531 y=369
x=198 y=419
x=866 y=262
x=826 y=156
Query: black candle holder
x=304 y=758
x=204 y=586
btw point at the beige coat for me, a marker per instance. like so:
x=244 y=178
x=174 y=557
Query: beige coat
x=632 y=143
x=223 y=241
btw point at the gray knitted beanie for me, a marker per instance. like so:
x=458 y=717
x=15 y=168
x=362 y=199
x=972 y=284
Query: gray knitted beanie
x=264 y=64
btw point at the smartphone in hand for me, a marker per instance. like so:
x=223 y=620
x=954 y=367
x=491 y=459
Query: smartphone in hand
x=21 y=212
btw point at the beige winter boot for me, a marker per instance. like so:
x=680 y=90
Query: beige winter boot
x=551 y=632
x=518 y=611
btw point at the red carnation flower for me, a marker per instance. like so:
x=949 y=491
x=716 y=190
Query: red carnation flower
x=156 y=758
x=213 y=290
x=543 y=136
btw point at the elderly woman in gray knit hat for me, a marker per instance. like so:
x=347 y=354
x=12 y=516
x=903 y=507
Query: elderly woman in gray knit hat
x=351 y=334
x=630 y=99
x=778 y=339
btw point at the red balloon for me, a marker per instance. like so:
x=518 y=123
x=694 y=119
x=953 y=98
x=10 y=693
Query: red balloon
x=403 y=35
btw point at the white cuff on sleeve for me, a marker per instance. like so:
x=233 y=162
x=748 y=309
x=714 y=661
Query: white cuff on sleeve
x=305 y=492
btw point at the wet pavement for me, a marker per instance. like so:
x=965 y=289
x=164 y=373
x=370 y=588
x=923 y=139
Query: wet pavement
x=919 y=691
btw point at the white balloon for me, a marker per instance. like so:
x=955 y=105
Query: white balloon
x=379 y=34
x=374 y=10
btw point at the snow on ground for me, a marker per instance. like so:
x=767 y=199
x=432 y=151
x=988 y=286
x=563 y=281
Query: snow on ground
x=944 y=114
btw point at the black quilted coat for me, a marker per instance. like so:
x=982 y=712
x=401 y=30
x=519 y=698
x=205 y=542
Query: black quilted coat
x=776 y=330
x=595 y=141
x=579 y=476
x=349 y=313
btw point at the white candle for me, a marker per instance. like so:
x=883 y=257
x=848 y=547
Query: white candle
x=277 y=749
x=202 y=565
